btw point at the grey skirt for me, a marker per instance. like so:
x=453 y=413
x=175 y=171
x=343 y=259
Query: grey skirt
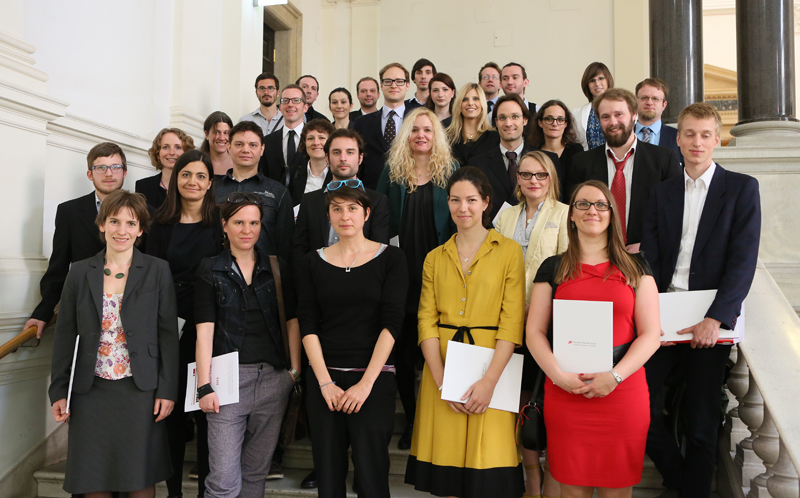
x=114 y=442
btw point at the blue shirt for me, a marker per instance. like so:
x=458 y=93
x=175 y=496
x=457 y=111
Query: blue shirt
x=655 y=129
x=398 y=117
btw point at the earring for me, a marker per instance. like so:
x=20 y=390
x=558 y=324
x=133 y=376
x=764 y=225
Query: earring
x=572 y=224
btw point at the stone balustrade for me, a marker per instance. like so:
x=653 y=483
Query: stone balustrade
x=760 y=443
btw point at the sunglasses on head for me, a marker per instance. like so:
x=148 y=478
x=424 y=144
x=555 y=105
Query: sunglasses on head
x=352 y=183
x=239 y=197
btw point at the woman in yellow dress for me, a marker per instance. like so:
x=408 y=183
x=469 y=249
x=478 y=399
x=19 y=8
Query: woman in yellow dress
x=473 y=290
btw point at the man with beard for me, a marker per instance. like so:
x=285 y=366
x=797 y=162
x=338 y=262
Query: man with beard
x=630 y=167
x=310 y=87
x=652 y=95
x=266 y=115
x=367 y=92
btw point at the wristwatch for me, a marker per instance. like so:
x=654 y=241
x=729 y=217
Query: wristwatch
x=616 y=376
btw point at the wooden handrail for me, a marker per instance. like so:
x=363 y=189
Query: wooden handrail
x=21 y=338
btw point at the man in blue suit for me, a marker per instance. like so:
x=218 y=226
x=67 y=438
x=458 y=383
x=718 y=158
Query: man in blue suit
x=701 y=232
x=652 y=95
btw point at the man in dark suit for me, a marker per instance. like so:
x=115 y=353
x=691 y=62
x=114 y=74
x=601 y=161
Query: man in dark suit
x=489 y=81
x=500 y=164
x=514 y=79
x=701 y=232
x=652 y=95
x=367 y=92
x=381 y=127
x=77 y=237
x=310 y=87
x=421 y=75
x=345 y=151
x=313 y=172
x=628 y=166
x=281 y=148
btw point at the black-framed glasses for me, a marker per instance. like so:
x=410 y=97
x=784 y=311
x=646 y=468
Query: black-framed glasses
x=269 y=89
x=550 y=120
x=396 y=81
x=351 y=183
x=527 y=175
x=240 y=197
x=599 y=205
x=102 y=168
x=294 y=100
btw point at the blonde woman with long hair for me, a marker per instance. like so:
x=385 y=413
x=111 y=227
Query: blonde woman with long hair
x=470 y=133
x=414 y=179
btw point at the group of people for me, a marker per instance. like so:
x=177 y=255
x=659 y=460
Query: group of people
x=353 y=252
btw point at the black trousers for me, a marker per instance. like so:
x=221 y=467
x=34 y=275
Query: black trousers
x=369 y=432
x=406 y=354
x=693 y=472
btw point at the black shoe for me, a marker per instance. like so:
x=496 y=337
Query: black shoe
x=193 y=473
x=275 y=471
x=309 y=481
x=405 y=440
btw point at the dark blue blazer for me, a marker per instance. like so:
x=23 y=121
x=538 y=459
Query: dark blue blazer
x=726 y=247
x=669 y=139
x=375 y=147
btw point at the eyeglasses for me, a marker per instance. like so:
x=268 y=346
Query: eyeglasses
x=352 y=183
x=269 y=89
x=113 y=167
x=240 y=197
x=656 y=100
x=295 y=100
x=527 y=175
x=550 y=120
x=397 y=81
x=503 y=118
x=487 y=77
x=599 y=205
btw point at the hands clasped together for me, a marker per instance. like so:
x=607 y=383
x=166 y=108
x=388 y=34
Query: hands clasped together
x=349 y=401
x=601 y=385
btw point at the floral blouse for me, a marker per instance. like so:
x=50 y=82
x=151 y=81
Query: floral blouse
x=113 y=362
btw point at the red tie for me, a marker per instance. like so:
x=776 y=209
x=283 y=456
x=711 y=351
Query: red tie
x=618 y=191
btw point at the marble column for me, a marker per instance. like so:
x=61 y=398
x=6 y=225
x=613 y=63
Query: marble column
x=676 y=51
x=765 y=59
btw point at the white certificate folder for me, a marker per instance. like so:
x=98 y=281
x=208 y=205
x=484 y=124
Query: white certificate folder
x=466 y=364
x=583 y=335
x=680 y=310
x=224 y=381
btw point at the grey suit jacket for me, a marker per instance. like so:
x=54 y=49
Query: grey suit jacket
x=148 y=315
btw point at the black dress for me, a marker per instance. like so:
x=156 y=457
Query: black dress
x=152 y=190
x=463 y=151
x=566 y=160
x=417 y=238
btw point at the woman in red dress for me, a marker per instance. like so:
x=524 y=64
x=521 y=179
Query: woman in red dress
x=597 y=430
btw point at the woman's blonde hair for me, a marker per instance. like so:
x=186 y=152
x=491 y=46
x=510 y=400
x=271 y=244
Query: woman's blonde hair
x=570 y=266
x=187 y=143
x=456 y=128
x=401 y=161
x=553 y=191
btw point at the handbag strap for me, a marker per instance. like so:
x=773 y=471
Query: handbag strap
x=276 y=274
x=536 y=386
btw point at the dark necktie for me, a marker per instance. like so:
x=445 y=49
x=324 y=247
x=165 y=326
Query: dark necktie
x=291 y=149
x=512 y=167
x=646 y=133
x=619 y=192
x=391 y=129
x=489 y=105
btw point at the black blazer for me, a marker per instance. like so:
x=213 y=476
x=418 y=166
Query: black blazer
x=312 y=113
x=376 y=147
x=312 y=227
x=669 y=139
x=272 y=163
x=411 y=104
x=151 y=326
x=150 y=187
x=651 y=165
x=725 y=250
x=76 y=238
x=493 y=166
x=298 y=178
x=355 y=115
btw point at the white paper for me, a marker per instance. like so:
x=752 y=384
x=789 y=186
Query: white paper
x=583 y=335
x=296 y=210
x=224 y=381
x=466 y=364
x=680 y=310
x=502 y=208
x=72 y=372
x=181 y=323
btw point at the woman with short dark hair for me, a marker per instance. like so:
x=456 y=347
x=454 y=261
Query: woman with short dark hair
x=120 y=306
x=595 y=81
x=216 y=128
x=340 y=102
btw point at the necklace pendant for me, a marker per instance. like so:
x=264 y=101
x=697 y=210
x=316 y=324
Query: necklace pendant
x=107 y=272
x=347 y=269
x=466 y=260
x=119 y=275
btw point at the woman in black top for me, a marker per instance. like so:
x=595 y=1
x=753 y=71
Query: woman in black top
x=553 y=130
x=167 y=147
x=186 y=230
x=470 y=133
x=236 y=310
x=348 y=335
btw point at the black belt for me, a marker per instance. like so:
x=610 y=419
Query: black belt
x=464 y=331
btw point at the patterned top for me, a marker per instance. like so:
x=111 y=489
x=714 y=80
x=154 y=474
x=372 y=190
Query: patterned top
x=594 y=133
x=113 y=362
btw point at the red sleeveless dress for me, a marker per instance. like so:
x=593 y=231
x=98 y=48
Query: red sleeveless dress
x=599 y=441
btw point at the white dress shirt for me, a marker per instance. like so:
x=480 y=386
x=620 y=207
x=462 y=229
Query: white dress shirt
x=694 y=198
x=314 y=182
x=298 y=130
x=627 y=170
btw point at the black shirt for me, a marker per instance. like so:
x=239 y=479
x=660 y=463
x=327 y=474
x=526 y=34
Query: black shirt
x=418 y=237
x=257 y=345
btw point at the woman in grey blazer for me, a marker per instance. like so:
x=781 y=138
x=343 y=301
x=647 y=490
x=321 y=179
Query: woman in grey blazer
x=120 y=306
